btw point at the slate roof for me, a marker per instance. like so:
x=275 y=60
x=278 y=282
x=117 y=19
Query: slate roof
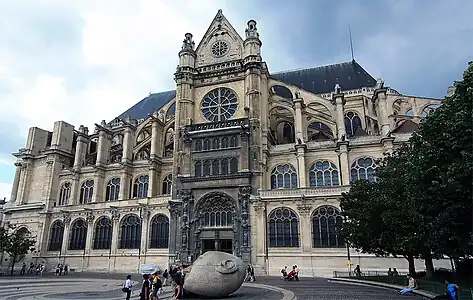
x=319 y=80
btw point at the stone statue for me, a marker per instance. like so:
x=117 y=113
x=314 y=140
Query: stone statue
x=338 y=89
x=379 y=83
x=215 y=274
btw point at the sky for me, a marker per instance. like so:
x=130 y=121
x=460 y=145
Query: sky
x=89 y=60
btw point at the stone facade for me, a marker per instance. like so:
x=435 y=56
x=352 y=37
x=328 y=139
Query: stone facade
x=239 y=160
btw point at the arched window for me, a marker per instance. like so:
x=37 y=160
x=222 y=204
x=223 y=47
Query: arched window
x=78 y=235
x=159 y=237
x=130 y=237
x=169 y=144
x=198 y=145
x=215 y=143
x=224 y=142
x=215 y=167
x=283 y=228
x=207 y=166
x=352 y=122
x=143 y=154
x=288 y=133
x=324 y=228
x=140 y=187
x=113 y=189
x=103 y=233
x=206 y=144
x=363 y=169
x=284 y=176
x=233 y=141
x=65 y=193
x=224 y=166
x=233 y=165
x=86 y=191
x=198 y=169
x=216 y=211
x=323 y=173
x=167 y=185
x=56 y=235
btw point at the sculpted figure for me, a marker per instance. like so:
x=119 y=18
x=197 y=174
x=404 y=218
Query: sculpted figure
x=215 y=274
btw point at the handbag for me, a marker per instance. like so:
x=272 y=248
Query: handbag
x=124 y=289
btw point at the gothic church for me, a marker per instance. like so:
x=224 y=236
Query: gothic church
x=235 y=159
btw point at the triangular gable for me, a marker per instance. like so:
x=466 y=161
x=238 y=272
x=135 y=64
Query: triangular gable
x=406 y=127
x=219 y=30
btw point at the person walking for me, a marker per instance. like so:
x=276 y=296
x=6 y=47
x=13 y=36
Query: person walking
x=23 y=269
x=165 y=276
x=127 y=287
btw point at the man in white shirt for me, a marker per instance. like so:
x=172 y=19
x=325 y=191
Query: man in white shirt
x=128 y=285
x=411 y=286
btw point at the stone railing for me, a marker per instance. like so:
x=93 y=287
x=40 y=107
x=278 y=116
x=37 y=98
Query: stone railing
x=306 y=192
x=217 y=125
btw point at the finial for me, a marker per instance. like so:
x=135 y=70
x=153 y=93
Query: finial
x=219 y=17
x=379 y=83
x=251 y=31
x=188 y=43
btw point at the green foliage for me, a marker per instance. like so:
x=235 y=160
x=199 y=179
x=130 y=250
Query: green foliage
x=422 y=200
x=15 y=243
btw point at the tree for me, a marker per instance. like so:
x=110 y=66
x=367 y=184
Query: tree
x=442 y=161
x=380 y=219
x=15 y=243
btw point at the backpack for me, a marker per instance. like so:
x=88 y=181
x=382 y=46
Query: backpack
x=158 y=284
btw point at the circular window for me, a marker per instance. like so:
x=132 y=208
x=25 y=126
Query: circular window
x=219 y=105
x=220 y=48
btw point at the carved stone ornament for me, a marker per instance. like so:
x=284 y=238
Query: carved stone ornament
x=67 y=219
x=379 y=83
x=304 y=209
x=185 y=194
x=90 y=217
x=259 y=209
x=245 y=190
x=115 y=214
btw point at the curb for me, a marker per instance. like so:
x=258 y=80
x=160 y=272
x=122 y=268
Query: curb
x=287 y=294
x=381 y=284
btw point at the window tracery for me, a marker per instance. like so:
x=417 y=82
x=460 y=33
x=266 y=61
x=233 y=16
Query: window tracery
x=130 y=230
x=103 y=233
x=56 y=234
x=159 y=237
x=215 y=167
x=112 y=190
x=140 y=186
x=65 y=193
x=323 y=173
x=216 y=210
x=363 y=169
x=167 y=185
x=86 y=191
x=325 y=221
x=284 y=176
x=116 y=153
x=352 y=123
x=216 y=143
x=143 y=154
x=78 y=235
x=169 y=144
x=220 y=48
x=283 y=228
x=219 y=104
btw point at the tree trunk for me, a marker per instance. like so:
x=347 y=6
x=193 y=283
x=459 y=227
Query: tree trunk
x=429 y=264
x=412 y=266
x=13 y=264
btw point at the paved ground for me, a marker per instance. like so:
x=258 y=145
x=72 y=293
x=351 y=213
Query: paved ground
x=88 y=286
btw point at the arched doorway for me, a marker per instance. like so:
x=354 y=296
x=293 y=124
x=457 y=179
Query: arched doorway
x=215 y=217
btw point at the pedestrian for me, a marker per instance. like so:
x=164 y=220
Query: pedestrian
x=66 y=269
x=165 y=276
x=410 y=287
x=357 y=271
x=60 y=269
x=156 y=287
x=284 y=272
x=252 y=273
x=23 y=269
x=127 y=287
x=145 y=288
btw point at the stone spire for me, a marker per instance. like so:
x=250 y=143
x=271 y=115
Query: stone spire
x=188 y=43
x=251 y=31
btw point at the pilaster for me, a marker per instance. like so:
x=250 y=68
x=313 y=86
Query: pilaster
x=245 y=153
x=260 y=229
x=343 y=160
x=16 y=183
x=90 y=232
x=153 y=183
x=65 y=239
x=125 y=187
x=301 y=165
x=145 y=214
x=99 y=185
x=338 y=99
x=299 y=122
x=75 y=189
x=379 y=97
x=244 y=199
x=115 y=230
x=305 y=235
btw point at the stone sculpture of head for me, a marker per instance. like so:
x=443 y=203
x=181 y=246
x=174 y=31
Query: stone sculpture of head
x=215 y=274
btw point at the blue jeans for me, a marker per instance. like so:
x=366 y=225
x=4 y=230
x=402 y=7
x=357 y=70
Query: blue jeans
x=406 y=290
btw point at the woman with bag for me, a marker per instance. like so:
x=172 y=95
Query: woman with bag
x=127 y=287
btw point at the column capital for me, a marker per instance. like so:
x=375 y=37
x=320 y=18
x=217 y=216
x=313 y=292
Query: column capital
x=338 y=99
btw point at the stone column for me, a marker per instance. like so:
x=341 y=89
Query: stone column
x=81 y=144
x=16 y=183
x=115 y=230
x=23 y=186
x=75 y=189
x=153 y=183
x=128 y=141
x=343 y=159
x=305 y=234
x=65 y=239
x=298 y=121
x=145 y=214
x=301 y=165
x=338 y=99
x=90 y=232
x=103 y=146
x=244 y=199
x=99 y=186
x=383 y=114
x=125 y=176
x=154 y=137
x=174 y=230
x=185 y=196
x=245 y=154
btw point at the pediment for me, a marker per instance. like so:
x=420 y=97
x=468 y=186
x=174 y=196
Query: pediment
x=220 y=43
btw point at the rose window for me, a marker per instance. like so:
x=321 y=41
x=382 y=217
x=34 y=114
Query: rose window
x=219 y=48
x=219 y=105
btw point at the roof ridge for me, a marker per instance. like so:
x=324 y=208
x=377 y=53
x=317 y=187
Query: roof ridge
x=312 y=68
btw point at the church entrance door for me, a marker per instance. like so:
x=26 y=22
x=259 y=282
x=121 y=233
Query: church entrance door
x=223 y=245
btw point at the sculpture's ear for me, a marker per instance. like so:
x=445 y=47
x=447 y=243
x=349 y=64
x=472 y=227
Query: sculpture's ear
x=227 y=267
